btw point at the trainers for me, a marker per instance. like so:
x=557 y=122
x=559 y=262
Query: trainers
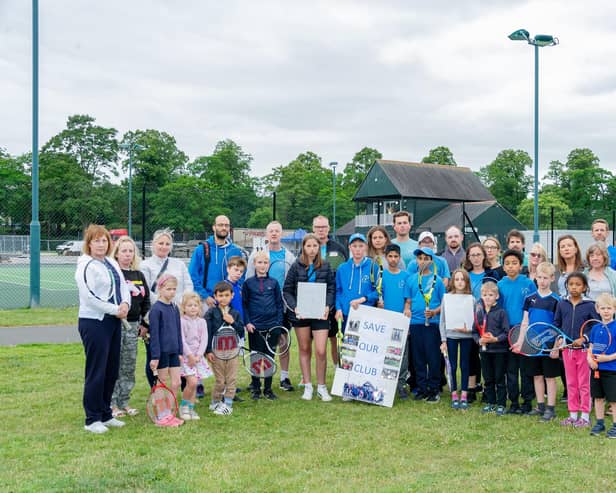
x=597 y=429
x=307 y=395
x=488 y=408
x=301 y=383
x=255 y=395
x=536 y=412
x=419 y=396
x=403 y=394
x=514 y=410
x=223 y=410
x=269 y=394
x=114 y=423
x=214 y=405
x=346 y=398
x=500 y=411
x=472 y=396
x=433 y=398
x=581 y=423
x=568 y=422
x=286 y=385
x=547 y=416
x=455 y=404
x=237 y=398
x=193 y=414
x=200 y=391
x=464 y=405
x=185 y=413
x=97 y=427
x=611 y=433
x=323 y=394
x=169 y=421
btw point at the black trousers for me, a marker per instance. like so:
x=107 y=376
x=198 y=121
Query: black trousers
x=514 y=392
x=494 y=367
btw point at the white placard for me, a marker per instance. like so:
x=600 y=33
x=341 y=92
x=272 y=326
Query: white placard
x=372 y=351
x=458 y=310
x=311 y=297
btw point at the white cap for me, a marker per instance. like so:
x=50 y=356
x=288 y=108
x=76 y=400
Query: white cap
x=426 y=234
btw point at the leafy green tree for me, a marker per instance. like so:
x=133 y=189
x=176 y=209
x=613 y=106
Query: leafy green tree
x=547 y=201
x=506 y=178
x=94 y=148
x=15 y=193
x=440 y=155
x=355 y=171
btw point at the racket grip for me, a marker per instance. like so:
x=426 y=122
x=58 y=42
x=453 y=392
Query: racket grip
x=483 y=347
x=339 y=324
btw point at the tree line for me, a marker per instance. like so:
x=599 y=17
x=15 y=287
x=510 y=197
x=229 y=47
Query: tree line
x=83 y=178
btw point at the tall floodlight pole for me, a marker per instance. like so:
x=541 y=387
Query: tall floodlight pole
x=35 y=225
x=333 y=164
x=130 y=147
x=538 y=41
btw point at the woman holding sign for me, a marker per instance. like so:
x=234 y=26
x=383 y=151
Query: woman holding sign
x=310 y=268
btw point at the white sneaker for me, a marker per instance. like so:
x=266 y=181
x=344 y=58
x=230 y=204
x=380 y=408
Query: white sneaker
x=193 y=414
x=185 y=413
x=214 y=405
x=323 y=394
x=96 y=427
x=307 y=392
x=346 y=398
x=223 y=409
x=114 y=423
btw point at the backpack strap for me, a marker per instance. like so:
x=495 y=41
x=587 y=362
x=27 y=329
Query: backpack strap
x=206 y=260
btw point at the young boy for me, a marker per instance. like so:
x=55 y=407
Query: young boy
x=604 y=387
x=494 y=358
x=263 y=310
x=353 y=284
x=424 y=294
x=540 y=307
x=394 y=286
x=514 y=288
x=225 y=371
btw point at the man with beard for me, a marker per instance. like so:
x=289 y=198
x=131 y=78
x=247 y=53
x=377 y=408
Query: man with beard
x=208 y=264
x=454 y=253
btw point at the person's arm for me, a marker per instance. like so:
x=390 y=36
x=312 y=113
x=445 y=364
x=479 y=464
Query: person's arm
x=186 y=279
x=278 y=303
x=209 y=327
x=442 y=325
x=289 y=289
x=504 y=326
x=330 y=297
x=155 y=333
x=95 y=277
x=195 y=270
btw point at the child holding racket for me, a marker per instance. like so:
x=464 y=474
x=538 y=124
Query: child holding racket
x=194 y=342
x=494 y=357
x=603 y=388
x=571 y=314
x=458 y=339
x=225 y=371
x=166 y=345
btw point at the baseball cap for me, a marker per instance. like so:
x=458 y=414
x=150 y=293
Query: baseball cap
x=425 y=251
x=357 y=236
x=426 y=234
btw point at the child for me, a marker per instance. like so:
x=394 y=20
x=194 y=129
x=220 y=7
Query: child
x=225 y=371
x=425 y=291
x=513 y=289
x=494 y=358
x=394 y=287
x=353 y=285
x=540 y=307
x=194 y=342
x=458 y=338
x=571 y=313
x=604 y=387
x=166 y=339
x=263 y=309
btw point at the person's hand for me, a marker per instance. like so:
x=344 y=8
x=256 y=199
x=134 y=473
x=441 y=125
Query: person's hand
x=592 y=362
x=579 y=342
x=123 y=310
x=407 y=312
x=142 y=331
x=355 y=303
x=153 y=364
x=250 y=328
x=517 y=347
x=380 y=303
x=554 y=353
x=339 y=315
x=210 y=302
x=192 y=360
x=444 y=347
x=325 y=314
x=210 y=357
x=227 y=317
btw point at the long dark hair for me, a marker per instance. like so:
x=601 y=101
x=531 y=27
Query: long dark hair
x=303 y=258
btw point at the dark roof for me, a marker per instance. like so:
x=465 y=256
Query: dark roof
x=452 y=215
x=428 y=181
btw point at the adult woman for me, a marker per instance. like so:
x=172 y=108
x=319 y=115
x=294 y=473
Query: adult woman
x=569 y=260
x=492 y=249
x=601 y=278
x=158 y=264
x=104 y=299
x=126 y=254
x=477 y=265
x=309 y=267
x=378 y=239
x=536 y=255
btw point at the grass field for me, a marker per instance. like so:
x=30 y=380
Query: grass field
x=38 y=316
x=287 y=445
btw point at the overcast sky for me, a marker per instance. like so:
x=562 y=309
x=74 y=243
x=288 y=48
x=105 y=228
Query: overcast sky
x=281 y=78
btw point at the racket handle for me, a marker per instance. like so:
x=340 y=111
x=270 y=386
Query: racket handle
x=339 y=324
x=483 y=347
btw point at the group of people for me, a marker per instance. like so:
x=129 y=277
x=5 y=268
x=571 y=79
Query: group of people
x=177 y=309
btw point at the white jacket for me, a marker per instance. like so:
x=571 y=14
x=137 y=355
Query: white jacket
x=151 y=267
x=101 y=285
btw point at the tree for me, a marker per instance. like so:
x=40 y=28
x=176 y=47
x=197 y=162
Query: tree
x=547 y=201
x=355 y=171
x=440 y=155
x=506 y=178
x=94 y=148
x=15 y=192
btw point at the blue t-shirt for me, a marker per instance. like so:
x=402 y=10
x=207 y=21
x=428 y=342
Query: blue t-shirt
x=418 y=303
x=512 y=296
x=394 y=288
x=442 y=269
x=608 y=365
x=407 y=250
x=277 y=265
x=476 y=283
x=612 y=251
x=541 y=308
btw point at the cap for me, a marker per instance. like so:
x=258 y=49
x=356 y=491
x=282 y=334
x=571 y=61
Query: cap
x=426 y=234
x=425 y=251
x=357 y=236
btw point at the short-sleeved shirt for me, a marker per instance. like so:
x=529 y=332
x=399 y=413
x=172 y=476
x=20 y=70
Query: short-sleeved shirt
x=512 y=296
x=541 y=308
x=394 y=287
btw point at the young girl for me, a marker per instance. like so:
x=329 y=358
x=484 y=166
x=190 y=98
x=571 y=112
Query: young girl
x=126 y=253
x=166 y=345
x=194 y=342
x=571 y=313
x=458 y=338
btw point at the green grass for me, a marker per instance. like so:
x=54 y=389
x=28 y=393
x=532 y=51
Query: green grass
x=287 y=445
x=38 y=316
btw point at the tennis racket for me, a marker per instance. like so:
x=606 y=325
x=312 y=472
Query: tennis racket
x=427 y=295
x=586 y=328
x=277 y=339
x=257 y=364
x=161 y=404
x=544 y=337
x=448 y=371
x=481 y=321
x=339 y=342
x=89 y=274
x=526 y=349
x=600 y=341
x=226 y=343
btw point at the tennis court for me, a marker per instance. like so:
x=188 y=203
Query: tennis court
x=58 y=287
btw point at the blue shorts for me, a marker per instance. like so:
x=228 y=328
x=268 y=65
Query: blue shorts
x=168 y=360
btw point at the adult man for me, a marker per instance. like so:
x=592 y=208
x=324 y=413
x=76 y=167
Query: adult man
x=208 y=264
x=402 y=227
x=600 y=230
x=454 y=252
x=280 y=260
x=516 y=241
x=335 y=254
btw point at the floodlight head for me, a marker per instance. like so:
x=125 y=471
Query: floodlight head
x=544 y=40
x=333 y=164
x=519 y=35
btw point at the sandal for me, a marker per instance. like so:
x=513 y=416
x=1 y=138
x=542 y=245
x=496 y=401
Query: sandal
x=131 y=411
x=118 y=413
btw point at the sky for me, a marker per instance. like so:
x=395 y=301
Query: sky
x=281 y=78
